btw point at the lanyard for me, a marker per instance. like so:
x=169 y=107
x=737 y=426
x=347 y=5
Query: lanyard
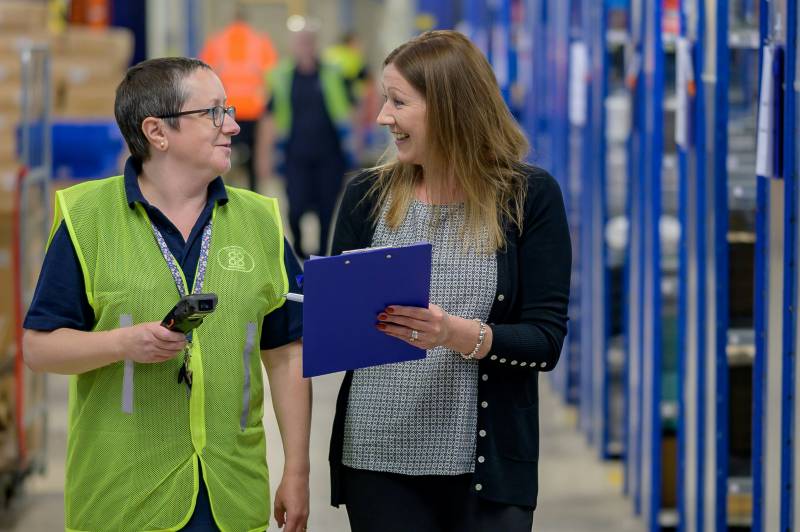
x=185 y=372
x=173 y=264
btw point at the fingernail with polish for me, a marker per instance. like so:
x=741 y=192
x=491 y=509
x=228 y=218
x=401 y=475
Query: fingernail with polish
x=390 y=310
x=382 y=316
x=381 y=326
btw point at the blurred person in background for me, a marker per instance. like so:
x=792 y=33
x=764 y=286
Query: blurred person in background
x=165 y=429
x=348 y=56
x=241 y=57
x=308 y=123
x=451 y=442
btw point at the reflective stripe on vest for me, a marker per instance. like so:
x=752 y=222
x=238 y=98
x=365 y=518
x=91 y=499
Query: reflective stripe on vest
x=126 y=320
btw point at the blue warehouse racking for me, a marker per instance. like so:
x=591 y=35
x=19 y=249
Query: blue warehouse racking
x=656 y=118
x=774 y=465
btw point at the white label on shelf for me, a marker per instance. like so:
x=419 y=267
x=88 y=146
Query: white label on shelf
x=684 y=77
x=500 y=55
x=578 y=73
x=764 y=138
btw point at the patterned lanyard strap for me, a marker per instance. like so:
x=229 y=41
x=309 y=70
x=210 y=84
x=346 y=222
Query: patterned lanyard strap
x=185 y=372
x=173 y=265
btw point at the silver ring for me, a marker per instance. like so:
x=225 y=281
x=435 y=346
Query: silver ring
x=414 y=335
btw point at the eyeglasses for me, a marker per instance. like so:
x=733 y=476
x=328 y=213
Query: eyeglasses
x=217 y=114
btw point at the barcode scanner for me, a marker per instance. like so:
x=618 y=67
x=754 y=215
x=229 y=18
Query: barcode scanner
x=189 y=312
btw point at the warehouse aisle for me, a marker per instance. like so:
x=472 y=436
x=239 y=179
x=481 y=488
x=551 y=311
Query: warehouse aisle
x=578 y=493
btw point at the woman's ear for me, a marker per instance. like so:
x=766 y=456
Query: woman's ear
x=154 y=131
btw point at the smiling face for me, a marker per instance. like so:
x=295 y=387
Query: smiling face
x=405 y=114
x=198 y=143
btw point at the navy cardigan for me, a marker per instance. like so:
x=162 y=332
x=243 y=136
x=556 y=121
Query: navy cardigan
x=528 y=320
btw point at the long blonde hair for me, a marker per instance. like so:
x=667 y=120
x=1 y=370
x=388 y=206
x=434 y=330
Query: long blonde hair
x=471 y=134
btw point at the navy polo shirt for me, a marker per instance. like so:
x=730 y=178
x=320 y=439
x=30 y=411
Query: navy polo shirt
x=60 y=297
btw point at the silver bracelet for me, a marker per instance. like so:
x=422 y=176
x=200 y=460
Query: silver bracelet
x=481 y=336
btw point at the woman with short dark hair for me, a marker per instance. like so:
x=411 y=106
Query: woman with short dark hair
x=165 y=428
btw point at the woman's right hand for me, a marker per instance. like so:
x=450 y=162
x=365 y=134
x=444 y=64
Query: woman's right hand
x=149 y=343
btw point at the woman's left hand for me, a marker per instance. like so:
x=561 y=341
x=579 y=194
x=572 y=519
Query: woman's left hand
x=425 y=328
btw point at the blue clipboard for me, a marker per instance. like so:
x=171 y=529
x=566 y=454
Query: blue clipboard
x=343 y=296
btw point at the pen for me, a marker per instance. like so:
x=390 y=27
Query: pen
x=298 y=298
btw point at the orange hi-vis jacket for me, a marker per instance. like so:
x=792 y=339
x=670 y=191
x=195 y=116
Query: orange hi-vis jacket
x=241 y=57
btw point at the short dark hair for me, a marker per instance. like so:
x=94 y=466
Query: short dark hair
x=151 y=88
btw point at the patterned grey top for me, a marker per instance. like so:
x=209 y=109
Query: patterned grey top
x=420 y=417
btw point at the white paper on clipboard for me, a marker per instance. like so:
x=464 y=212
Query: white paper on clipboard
x=764 y=138
x=684 y=76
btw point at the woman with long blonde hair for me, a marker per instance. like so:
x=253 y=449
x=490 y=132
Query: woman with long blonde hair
x=450 y=442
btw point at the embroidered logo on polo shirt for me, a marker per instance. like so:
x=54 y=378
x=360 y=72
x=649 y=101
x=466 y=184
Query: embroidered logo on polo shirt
x=236 y=259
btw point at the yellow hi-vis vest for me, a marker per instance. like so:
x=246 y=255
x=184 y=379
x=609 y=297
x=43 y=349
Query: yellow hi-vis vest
x=137 y=436
x=334 y=94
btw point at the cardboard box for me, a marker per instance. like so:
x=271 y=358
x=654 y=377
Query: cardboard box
x=12 y=42
x=87 y=102
x=23 y=15
x=7 y=315
x=8 y=179
x=669 y=476
x=10 y=97
x=11 y=103
x=9 y=118
x=112 y=47
x=10 y=68
x=82 y=71
x=8 y=429
x=8 y=148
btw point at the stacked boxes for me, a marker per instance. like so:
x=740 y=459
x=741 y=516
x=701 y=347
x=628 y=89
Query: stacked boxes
x=22 y=23
x=23 y=16
x=88 y=64
x=8 y=437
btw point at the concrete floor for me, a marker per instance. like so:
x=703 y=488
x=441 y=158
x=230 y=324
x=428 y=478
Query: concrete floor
x=577 y=492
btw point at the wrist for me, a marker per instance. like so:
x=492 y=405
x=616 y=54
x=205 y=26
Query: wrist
x=117 y=339
x=480 y=338
x=483 y=352
x=297 y=469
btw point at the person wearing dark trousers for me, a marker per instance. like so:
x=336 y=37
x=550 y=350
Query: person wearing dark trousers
x=166 y=428
x=451 y=442
x=313 y=184
x=308 y=120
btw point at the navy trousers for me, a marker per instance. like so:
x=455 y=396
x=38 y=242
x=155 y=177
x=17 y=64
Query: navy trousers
x=201 y=520
x=313 y=185
x=388 y=502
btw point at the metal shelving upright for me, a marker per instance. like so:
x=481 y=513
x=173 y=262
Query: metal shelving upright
x=719 y=206
x=557 y=160
x=546 y=120
x=594 y=316
x=652 y=280
x=644 y=431
x=30 y=230
x=602 y=155
x=792 y=163
x=616 y=131
x=774 y=465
